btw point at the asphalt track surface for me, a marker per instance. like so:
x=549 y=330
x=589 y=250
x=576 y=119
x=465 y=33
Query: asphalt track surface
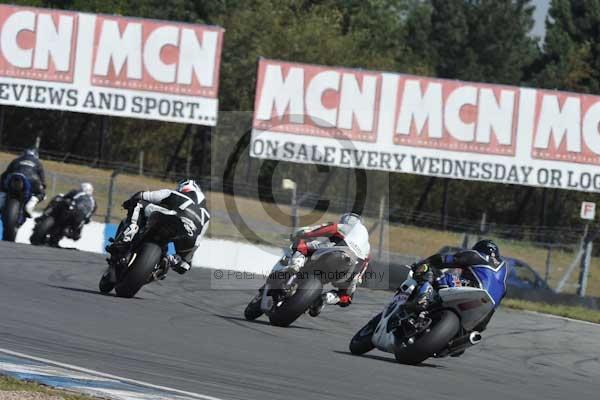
x=182 y=334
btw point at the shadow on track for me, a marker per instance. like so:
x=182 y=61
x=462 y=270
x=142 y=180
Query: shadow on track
x=88 y=291
x=389 y=359
x=260 y=322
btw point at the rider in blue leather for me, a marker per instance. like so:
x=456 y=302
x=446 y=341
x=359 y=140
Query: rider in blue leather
x=27 y=164
x=481 y=267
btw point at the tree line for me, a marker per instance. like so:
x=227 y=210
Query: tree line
x=475 y=40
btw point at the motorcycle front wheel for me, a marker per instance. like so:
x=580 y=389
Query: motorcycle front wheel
x=106 y=284
x=362 y=342
x=253 y=310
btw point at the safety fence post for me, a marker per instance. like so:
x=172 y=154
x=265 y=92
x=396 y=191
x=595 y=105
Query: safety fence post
x=111 y=190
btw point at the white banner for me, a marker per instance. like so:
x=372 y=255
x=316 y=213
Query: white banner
x=109 y=65
x=411 y=124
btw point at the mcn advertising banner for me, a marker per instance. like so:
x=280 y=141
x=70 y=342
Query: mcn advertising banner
x=109 y=65
x=411 y=124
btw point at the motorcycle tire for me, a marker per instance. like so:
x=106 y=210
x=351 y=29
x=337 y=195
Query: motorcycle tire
x=293 y=307
x=253 y=309
x=444 y=327
x=106 y=284
x=10 y=219
x=140 y=271
x=362 y=343
x=41 y=230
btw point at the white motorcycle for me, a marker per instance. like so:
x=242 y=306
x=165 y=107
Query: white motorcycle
x=448 y=327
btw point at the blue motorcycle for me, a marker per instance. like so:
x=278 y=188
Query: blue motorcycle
x=18 y=193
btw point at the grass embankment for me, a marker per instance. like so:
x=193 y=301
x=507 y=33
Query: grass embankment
x=11 y=388
x=403 y=239
x=574 y=312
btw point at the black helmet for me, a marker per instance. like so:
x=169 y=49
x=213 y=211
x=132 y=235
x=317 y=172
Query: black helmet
x=31 y=152
x=488 y=248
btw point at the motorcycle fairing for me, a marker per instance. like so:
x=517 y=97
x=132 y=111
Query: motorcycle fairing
x=383 y=338
x=493 y=280
x=471 y=304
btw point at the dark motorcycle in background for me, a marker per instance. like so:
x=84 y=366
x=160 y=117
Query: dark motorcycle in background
x=60 y=219
x=134 y=264
x=18 y=193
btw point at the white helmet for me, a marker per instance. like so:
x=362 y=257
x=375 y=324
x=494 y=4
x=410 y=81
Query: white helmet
x=87 y=188
x=189 y=186
x=350 y=219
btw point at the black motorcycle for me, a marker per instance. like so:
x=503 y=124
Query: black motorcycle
x=60 y=219
x=18 y=193
x=134 y=264
x=287 y=294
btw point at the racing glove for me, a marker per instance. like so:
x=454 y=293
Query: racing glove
x=132 y=201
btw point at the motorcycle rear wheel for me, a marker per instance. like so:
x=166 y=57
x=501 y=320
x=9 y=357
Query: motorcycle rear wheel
x=10 y=219
x=140 y=271
x=41 y=230
x=293 y=307
x=444 y=327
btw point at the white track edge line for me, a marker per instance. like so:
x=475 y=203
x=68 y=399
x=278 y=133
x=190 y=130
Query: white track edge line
x=108 y=376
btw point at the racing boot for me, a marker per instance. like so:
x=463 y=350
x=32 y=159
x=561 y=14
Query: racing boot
x=177 y=264
x=30 y=205
x=328 y=298
x=161 y=271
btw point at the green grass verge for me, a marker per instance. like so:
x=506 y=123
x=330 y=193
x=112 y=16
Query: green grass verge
x=574 y=312
x=8 y=384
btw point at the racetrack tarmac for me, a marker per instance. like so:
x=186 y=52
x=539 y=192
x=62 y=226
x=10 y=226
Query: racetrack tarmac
x=182 y=334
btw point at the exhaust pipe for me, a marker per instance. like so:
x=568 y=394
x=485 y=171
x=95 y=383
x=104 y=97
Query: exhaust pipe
x=460 y=344
x=475 y=337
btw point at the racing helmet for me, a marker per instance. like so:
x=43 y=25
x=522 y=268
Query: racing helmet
x=87 y=188
x=33 y=152
x=487 y=248
x=189 y=187
x=350 y=219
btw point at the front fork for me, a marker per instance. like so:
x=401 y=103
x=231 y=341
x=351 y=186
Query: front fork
x=288 y=289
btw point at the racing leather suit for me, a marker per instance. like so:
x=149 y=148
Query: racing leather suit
x=308 y=240
x=186 y=209
x=86 y=207
x=32 y=168
x=460 y=269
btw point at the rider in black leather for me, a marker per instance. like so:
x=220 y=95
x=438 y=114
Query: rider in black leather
x=187 y=205
x=85 y=203
x=29 y=165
